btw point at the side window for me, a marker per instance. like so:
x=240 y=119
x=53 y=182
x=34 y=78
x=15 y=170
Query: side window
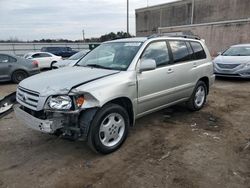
x=44 y=55
x=180 y=51
x=39 y=55
x=198 y=50
x=4 y=58
x=157 y=51
x=190 y=51
x=36 y=55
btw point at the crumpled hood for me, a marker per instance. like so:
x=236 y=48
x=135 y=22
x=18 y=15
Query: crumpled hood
x=60 y=81
x=232 y=59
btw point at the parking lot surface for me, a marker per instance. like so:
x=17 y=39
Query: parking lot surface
x=169 y=148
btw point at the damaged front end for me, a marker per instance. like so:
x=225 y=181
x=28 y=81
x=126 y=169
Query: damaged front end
x=59 y=114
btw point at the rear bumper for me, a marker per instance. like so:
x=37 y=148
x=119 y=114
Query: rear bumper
x=46 y=126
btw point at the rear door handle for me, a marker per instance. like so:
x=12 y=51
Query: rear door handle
x=170 y=70
x=194 y=64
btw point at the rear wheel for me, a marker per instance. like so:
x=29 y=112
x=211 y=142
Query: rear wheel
x=18 y=76
x=198 y=98
x=109 y=129
x=51 y=65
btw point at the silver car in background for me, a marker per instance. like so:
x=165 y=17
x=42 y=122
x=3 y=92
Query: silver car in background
x=14 y=68
x=234 y=62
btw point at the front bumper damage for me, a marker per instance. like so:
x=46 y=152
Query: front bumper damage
x=50 y=122
x=46 y=126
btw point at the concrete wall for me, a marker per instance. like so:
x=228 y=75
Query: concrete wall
x=220 y=10
x=164 y=18
x=179 y=13
x=149 y=19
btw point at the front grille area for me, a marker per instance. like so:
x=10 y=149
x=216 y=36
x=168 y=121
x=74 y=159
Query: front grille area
x=28 y=97
x=228 y=66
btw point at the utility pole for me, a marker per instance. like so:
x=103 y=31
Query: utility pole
x=127 y=16
x=192 y=15
x=83 y=35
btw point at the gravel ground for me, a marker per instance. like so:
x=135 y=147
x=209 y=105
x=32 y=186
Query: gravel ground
x=169 y=148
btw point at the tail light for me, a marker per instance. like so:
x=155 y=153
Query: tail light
x=35 y=63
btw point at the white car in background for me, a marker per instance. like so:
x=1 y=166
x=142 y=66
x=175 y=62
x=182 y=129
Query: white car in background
x=71 y=61
x=44 y=59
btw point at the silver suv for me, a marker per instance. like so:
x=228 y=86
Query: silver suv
x=100 y=97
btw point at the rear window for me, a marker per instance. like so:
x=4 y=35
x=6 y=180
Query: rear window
x=199 y=52
x=179 y=51
x=7 y=59
x=12 y=59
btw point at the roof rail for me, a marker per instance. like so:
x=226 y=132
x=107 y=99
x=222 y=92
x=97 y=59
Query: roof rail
x=171 y=35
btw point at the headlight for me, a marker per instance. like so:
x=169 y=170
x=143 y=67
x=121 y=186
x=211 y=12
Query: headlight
x=60 y=103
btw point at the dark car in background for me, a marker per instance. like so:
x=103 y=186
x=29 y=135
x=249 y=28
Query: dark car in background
x=14 y=68
x=59 y=51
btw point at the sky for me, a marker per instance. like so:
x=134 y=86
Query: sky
x=56 y=19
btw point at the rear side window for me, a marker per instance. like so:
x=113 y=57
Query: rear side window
x=36 y=56
x=7 y=59
x=199 y=52
x=157 y=51
x=179 y=51
x=44 y=55
x=39 y=55
x=4 y=58
x=190 y=51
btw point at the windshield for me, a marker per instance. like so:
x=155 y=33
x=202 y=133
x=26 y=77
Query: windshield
x=115 y=55
x=78 y=55
x=237 y=51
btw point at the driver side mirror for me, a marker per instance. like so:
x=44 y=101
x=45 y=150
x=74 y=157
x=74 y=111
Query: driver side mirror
x=147 y=65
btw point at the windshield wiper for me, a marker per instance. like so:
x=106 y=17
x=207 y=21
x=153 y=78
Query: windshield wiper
x=97 y=66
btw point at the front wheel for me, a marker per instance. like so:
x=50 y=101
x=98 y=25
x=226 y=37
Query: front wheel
x=109 y=129
x=198 y=98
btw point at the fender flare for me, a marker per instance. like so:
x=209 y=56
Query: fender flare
x=85 y=120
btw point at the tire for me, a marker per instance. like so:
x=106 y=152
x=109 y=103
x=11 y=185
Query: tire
x=18 y=76
x=109 y=129
x=197 y=101
x=51 y=65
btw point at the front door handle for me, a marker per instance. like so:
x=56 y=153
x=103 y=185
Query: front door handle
x=170 y=70
x=194 y=64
